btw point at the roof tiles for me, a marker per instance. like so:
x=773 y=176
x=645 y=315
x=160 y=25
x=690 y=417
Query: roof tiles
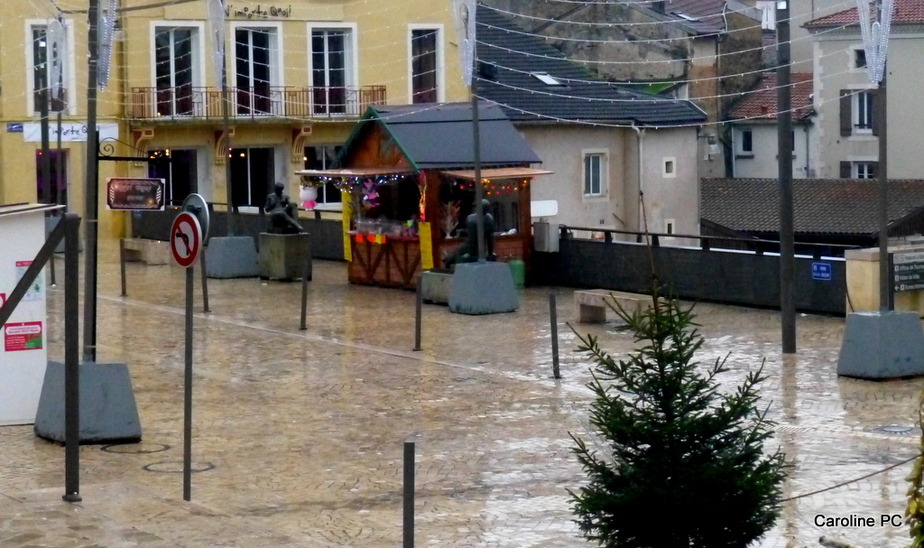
x=820 y=206
x=904 y=12
x=581 y=96
x=760 y=103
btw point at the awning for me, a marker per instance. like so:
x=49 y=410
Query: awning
x=498 y=173
x=354 y=172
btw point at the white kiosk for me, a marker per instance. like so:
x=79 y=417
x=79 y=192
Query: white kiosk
x=23 y=339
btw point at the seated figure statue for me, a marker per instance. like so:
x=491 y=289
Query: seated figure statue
x=282 y=212
x=467 y=252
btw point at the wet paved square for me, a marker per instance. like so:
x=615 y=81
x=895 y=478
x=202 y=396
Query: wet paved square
x=298 y=435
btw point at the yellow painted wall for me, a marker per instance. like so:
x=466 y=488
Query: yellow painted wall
x=383 y=59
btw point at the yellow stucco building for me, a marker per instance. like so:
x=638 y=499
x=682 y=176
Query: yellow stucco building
x=299 y=76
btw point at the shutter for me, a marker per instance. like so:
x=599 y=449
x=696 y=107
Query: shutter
x=875 y=170
x=877 y=116
x=845 y=170
x=846 y=111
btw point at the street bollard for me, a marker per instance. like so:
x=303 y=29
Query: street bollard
x=408 y=494
x=205 y=283
x=418 y=319
x=122 y=264
x=553 y=319
x=305 y=269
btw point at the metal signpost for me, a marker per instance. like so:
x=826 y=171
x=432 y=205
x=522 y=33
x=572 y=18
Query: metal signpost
x=185 y=243
x=908 y=272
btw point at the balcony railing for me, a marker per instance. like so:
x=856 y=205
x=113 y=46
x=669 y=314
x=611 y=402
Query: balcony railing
x=201 y=103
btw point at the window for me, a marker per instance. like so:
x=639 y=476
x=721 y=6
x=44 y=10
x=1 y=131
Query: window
x=857 y=114
x=669 y=226
x=321 y=157
x=670 y=167
x=256 y=69
x=546 y=78
x=332 y=66
x=175 y=69
x=252 y=175
x=178 y=169
x=426 y=62
x=863 y=169
x=746 y=143
x=53 y=190
x=859 y=58
x=864 y=110
x=594 y=174
x=768 y=15
x=48 y=60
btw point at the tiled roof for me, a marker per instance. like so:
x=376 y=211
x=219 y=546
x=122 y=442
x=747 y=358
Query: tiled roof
x=581 y=96
x=707 y=14
x=904 y=12
x=761 y=104
x=820 y=206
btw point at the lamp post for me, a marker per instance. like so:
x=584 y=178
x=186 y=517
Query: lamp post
x=784 y=159
x=91 y=190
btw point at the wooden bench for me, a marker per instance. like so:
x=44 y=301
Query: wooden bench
x=590 y=305
x=150 y=252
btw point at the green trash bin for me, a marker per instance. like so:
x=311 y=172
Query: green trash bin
x=518 y=270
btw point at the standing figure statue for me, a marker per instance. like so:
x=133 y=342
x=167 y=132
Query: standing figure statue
x=467 y=252
x=282 y=212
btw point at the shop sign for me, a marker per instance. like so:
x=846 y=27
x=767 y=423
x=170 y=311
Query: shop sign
x=22 y=336
x=258 y=12
x=70 y=132
x=133 y=194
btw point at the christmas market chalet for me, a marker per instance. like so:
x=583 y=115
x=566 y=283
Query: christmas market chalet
x=406 y=176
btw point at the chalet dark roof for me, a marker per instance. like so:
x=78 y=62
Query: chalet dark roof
x=514 y=57
x=820 y=206
x=439 y=136
x=760 y=104
x=904 y=12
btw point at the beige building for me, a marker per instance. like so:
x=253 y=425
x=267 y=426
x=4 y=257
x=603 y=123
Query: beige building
x=846 y=143
x=299 y=75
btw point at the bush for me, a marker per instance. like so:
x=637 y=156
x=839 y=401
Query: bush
x=683 y=463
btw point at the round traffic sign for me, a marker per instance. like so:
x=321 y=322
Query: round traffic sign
x=185 y=239
x=195 y=204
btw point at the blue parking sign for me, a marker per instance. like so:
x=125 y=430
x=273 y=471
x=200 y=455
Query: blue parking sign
x=821 y=271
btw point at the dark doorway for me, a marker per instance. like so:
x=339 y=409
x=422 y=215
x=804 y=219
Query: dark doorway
x=56 y=186
x=251 y=175
x=178 y=169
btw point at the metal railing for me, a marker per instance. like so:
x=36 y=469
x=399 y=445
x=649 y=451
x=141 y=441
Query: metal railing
x=708 y=242
x=204 y=103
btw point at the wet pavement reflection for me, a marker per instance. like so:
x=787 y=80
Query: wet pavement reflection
x=297 y=435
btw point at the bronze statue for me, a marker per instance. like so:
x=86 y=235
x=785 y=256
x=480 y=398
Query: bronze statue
x=282 y=212
x=467 y=252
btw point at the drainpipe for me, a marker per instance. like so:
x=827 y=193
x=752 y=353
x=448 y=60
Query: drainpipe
x=733 y=151
x=641 y=156
x=808 y=159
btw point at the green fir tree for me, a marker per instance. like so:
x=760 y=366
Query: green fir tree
x=682 y=463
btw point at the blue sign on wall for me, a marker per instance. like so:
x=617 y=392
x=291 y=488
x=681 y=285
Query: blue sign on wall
x=821 y=271
x=14 y=127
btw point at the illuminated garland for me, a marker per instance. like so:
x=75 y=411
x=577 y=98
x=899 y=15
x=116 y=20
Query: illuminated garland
x=492 y=188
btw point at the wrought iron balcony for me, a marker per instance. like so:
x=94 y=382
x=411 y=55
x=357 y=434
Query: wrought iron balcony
x=202 y=103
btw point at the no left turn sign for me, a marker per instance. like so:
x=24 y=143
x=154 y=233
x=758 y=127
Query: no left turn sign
x=185 y=239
